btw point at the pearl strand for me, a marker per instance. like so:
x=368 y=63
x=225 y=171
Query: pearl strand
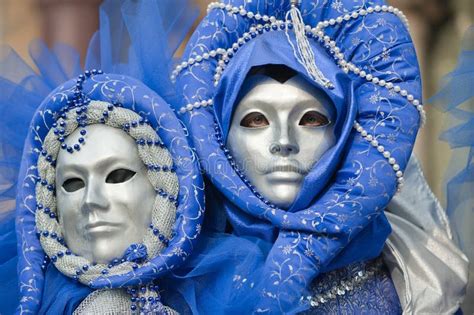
x=191 y=106
x=386 y=154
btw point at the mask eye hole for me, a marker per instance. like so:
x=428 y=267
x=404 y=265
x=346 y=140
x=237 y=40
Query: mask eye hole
x=254 y=120
x=73 y=184
x=120 y=175
x=314 y=119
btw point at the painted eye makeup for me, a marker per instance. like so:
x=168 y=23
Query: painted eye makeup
x=254 y=120
x=314 y=119
x=120 y=175
x=73 y=184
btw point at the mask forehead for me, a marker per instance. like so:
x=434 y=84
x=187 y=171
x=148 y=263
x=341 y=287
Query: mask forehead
x=104 y=147
x=293 y=95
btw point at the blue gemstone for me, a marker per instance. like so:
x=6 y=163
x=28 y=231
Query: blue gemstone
x=45 y=233
x=104 y=271
x=77 y=147
x=63 y=146
x=39 y=206
x=81 y=140
x=83 y=132
x=68 y=252
x=52 y=215
x=54 y=258
x=54 y=235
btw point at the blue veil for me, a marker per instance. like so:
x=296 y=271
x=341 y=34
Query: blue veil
x=123 y=45
x=456 y=99
x=364 y=49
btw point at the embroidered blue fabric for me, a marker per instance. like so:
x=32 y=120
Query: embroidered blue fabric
x=337 y=218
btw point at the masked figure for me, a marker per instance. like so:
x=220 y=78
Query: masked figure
x=109 y=198
x=112 y=200
x=304 y=115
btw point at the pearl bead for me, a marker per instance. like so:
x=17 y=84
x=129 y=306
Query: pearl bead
x=380 y=149
x=396 y=167
x=399 y=174
x=391 y=160
x=386 y=154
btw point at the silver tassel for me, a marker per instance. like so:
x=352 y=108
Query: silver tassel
x=303 y=53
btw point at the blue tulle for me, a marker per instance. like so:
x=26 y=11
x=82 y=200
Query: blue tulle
x=456 y=98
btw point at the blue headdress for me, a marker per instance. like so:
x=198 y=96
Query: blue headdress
x=23 y=91
x=361 y=56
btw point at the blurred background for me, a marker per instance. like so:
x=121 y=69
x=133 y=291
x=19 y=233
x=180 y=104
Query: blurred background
x=437 y=27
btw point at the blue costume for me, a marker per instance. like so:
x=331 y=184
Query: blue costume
x=361 y=56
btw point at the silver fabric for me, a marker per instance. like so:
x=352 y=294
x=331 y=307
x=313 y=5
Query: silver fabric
x=428 y=269
x=109 y=302
x=277 y=154
x=101 y=219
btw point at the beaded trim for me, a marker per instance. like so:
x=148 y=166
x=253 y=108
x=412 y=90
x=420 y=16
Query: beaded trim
x=196 y=105
x=343 y=287
x=316 y=32
x=386 y=154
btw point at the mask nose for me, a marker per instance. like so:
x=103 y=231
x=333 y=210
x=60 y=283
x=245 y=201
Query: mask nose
x=95 y=197
x=285 y=143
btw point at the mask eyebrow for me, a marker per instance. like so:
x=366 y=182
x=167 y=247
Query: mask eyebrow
x=280 y=73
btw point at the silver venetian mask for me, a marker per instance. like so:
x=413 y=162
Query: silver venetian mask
x=278 y=132
x=104 y=198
